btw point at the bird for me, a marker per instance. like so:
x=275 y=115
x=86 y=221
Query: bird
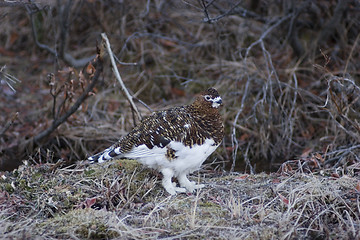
x=174 y=141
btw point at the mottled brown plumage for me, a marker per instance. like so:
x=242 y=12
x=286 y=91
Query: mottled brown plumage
x=166 y=139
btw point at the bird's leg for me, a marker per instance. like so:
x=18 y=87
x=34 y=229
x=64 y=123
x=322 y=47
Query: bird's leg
x=168 y=184
x=189 y=185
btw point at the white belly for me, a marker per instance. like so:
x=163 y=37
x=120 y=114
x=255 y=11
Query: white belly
x=187 y=159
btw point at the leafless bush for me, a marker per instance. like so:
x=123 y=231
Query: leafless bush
x=286 y=70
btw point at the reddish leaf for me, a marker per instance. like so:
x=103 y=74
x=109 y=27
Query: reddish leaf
x=13 y=37
x=90 y=69
x=90 y=202
x=306 y=152
x=335 y=175
x=318 y=156
x=242 y=177
x=229 y=149
x=167 y=43
x=6 y=52
x=244 y=137
x=276 y=180
x=315 y=162
x=358 y=186
x=178 y=92
x=283 y=199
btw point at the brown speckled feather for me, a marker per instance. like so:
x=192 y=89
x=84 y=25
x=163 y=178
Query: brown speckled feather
x=190 y=125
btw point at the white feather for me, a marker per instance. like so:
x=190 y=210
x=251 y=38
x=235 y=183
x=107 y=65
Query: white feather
x=216 y=101
x=117 y=150
x=187 y=159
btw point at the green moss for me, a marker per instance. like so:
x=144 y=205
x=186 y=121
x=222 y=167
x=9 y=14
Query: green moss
x=83 y=223
x=8 y=188
x=23 y=184
x=128 y=164
x=208 y=204
x=89 y=172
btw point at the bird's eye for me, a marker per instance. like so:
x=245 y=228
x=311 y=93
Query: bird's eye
x=207 y=97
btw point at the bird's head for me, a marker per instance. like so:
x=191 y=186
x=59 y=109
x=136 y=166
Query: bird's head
x=209 y=100
x=212 y=98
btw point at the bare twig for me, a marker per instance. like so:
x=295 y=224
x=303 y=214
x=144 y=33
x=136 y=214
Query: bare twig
x=62 y=54
x=64 y=10
x=242 y=12
x=291 y=119
x=125 y=63
x=205 y=7
x=53 y=92
x=8 y=79
x=330 y=27
x=98 y=64
x=34 y=33
x=262 y=37
x=247 y=159
x=144 y=104
x=224 y=13
x=234 y=141
x=118 y=77
x=351 y=53
x=14 y=3
x=8 y=124
x=157 y=36
x=271 y=72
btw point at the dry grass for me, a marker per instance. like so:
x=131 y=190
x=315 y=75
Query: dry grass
x=121 y=199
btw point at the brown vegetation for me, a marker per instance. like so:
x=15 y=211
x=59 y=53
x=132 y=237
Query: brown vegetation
x=122 y=199
x=288 y=74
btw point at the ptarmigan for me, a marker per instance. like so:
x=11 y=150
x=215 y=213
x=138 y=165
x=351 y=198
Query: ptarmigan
x=175 y=141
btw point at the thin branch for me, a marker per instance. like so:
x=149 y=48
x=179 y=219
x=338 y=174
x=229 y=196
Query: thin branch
x=98 y=64
x=207 y=17
x=64 y=24
x=331 y=25
x=147 y=9
x=12 y=3
x=125 y=63
x=234 y=141
x=247 y=159
x=237 y=10
x=224 y=14
x=53 y=93
x=351 y=54
x=144 y=104
x=8 y=79
x=264 y=34
x=77 y=62
x=34 y=33
x=118 y=77
x=62 y=54
x=157 y=36
x=292 y=112
x=8 y=124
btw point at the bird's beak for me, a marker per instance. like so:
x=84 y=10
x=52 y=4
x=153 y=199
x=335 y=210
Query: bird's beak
x=217 y=102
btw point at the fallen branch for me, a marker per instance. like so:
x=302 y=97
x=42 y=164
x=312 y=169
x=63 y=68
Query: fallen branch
x=118 y=77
